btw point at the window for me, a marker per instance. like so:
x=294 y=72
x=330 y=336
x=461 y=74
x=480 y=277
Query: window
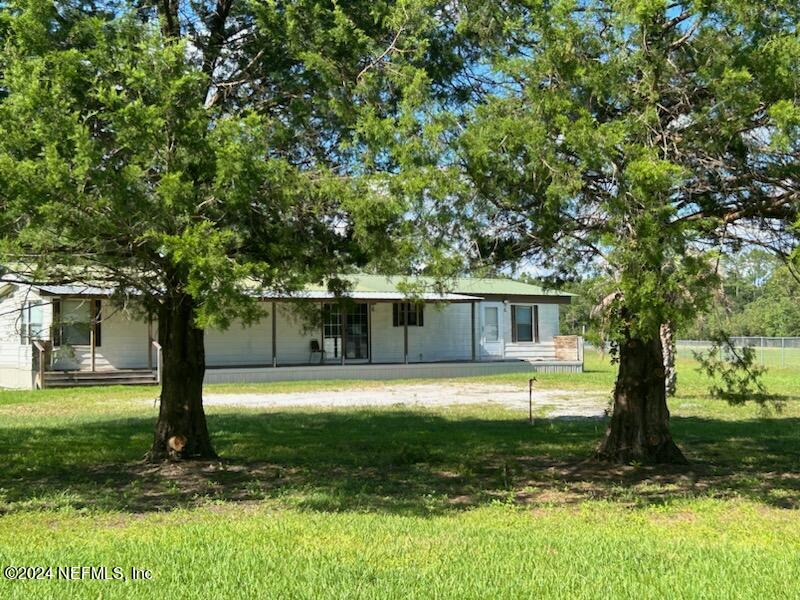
x=31 y=322
x=414 y=312
x=75 y=321
x=525 y=323
x=491 y=332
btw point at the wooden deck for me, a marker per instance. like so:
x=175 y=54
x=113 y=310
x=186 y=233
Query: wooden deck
x=106 y=376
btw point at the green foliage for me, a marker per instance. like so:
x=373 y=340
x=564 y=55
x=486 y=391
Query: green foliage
x=580 y=312
x=776 y=312
x=757 y=296
x=169 y=164
x=733 y=371
x=627 y=138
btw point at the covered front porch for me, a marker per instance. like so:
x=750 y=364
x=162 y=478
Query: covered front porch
x=367 y=336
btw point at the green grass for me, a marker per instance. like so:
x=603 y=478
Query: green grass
x=460 y=502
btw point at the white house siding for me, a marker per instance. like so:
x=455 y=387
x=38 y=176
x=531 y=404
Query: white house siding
x=445 y=335
x=240 y=344
x=548 y=322
x=293 y=336
x=16 y=362
x=124 y=339
x=124 y=342
x=252 y=345
x=387 y=340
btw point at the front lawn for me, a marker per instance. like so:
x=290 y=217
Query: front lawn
x=461 y=502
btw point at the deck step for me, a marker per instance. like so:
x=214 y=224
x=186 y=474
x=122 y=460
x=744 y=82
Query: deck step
x=88 y=379
x=98 y=382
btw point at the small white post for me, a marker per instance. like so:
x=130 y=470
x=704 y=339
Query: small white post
x=93 y=334
x=275 y=336
x=406 y=310
x=149 y=343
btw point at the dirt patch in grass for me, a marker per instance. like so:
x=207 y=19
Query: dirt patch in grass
x=551 y=403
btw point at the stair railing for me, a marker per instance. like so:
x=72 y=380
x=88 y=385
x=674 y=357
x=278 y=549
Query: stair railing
x=41 y=361
x=159 y=360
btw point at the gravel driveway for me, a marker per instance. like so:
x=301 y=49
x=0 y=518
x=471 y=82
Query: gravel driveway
x=555 y=403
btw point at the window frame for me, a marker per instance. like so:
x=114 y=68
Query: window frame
x=412 y=309
x=95 y=322
x=26 y=332
x=534 y=324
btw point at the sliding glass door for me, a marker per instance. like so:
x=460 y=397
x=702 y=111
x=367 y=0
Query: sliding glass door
x=356 y=339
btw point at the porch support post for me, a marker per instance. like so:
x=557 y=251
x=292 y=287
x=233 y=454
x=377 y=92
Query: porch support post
x=322 y=332
x=343 y=322
x=369 y=331
x=472 y=328
x=92 y=333
x=149 y=342
x=406 y=309
x=274 y=333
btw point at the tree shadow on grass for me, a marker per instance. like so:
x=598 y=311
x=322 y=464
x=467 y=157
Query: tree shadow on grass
x=391 y=461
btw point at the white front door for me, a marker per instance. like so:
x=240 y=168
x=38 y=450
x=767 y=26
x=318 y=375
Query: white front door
x=492 y=343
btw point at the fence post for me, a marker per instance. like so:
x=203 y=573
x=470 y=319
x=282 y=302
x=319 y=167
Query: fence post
x=762 y=350
x=783 y=353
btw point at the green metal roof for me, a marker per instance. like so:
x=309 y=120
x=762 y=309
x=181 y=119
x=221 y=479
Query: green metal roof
x=463 y=285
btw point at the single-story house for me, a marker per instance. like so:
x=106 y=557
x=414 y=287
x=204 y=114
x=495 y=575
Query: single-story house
x=71 y=335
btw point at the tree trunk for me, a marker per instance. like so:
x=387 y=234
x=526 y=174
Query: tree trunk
x=668 y=348
x=181 y=430
x=639 y=427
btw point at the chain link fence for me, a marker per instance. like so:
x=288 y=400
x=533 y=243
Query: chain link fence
x=775 y=352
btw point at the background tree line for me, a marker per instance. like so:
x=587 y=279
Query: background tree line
x=758 y=295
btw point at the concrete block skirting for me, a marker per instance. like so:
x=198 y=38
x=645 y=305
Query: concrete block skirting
x=384 y=371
